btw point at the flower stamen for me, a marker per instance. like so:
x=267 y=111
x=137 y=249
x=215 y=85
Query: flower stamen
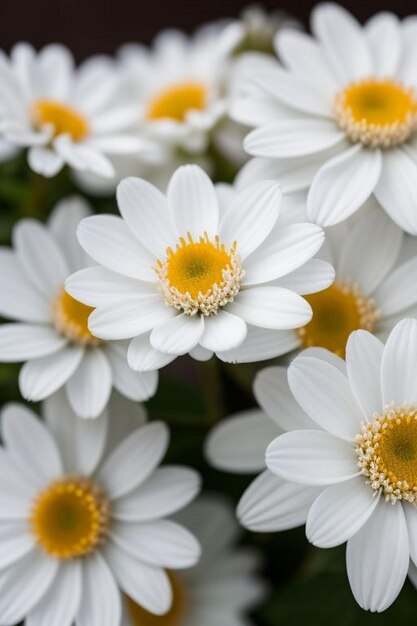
x=71 y=319
x=63 y=119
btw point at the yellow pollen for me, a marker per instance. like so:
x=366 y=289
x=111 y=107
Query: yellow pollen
x=377 y=113
x=71 y=319
x=141 y=617
x=64 y=119
x=176 y=101
x=199 y=276
x=387 y=453
x=337 y=311
x=70 y=518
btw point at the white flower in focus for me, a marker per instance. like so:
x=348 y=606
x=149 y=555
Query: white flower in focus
x=50 y=332
x=184 y=275
x=180 y=85
x=79 y=524
x=341 y=116
x=348 y=465
x=62 y=114
x=223 y=587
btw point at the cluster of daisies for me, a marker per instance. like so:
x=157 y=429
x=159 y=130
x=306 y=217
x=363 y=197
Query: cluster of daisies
x=309 y=256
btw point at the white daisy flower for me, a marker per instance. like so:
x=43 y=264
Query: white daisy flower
x=222 y=588
x=50 y=332
x=80 y=525
x=348 y=466
x=179 y=86
x=64 y=115
x=341 y=116
x=183 y=275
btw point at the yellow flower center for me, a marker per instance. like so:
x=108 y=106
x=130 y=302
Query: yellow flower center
x=199 y=276
x=387 y=453
x=71 y=319
x=70 y=517
x=141 y=617
x=377 y=113
x=175 y=102
x=337 y=311
x=64 y=119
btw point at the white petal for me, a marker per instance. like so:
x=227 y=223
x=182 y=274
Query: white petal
x=137 y=386
x=90 y=386
x=99 y=286
x=201 y=354
x=23 y=584
x=81 y=442
x=40 y=257
x=251 y=217
x=20 y=300
x=343 y=185
x=343 y=40
x=339 y=512
x=223 y=332
x=271 y=504
x=16 y=541
x=384 y=37
x=261 y=344
x=178 y=335
x=166 y=491
x=325 y=395
x=108 y=240
x=45 y=161
x=19 y=342
x=399 y=365
x=396 y=190
x=370 y=251
x=39 y=378
x=327 y=356
x=145 y=210
x=397 y=293
x=134 y=460
x=363 y=360
x=412 y=573
x=60 y=604
x=271 y=307
x=313 y=276
x=147 y=585
x=285 y=250
x=239 y=442
x=30 y=444
x=142 y=357
x=130 y=317
x=312 y=457
x=377 y=558
x=17 y=490
x=274 y=396
x=162 y=543
x=101 y=601
x=63 y=222
x=193 y=202
x=410 y=513
x=293 y=138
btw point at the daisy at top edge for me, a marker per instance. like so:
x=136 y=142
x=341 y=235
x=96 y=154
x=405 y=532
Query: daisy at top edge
x=85 y=516
x=186 y=274
x=339 y=115
x=64 y=115
x=50 y=331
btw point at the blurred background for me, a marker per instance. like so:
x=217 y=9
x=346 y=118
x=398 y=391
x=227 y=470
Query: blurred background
x=93 y=26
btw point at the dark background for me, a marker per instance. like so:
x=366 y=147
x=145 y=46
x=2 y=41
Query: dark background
x=92 y=26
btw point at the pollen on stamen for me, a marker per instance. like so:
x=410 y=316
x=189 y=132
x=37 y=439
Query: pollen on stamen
x=377 y=113
x=200 y=276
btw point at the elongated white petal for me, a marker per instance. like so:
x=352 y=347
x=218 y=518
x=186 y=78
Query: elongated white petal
x=363 y=360
x=339 y=512
x=101 y=601
x=63 y=222
x=90 y=386
x=377 y=549
x=261 y=344
x=397 y=293
x=142 y=356
x=19 y=342
x=399 y=365
x=313 y=276
x=136 y=386
x=312 y=457
x=99 y=286
x=271 y=504
x=239 y=442
x=17 y=490
x=383 y=33
x=223 y=332
x=15 y=542
x=178 y=335
x=45 y=161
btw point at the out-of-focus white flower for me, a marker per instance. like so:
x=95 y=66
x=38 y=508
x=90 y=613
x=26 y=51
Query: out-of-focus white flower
x=51 y=332
x=341 y=116
x=62 y=114
x=82 y=517
x=224 y=585
x=184 y=273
